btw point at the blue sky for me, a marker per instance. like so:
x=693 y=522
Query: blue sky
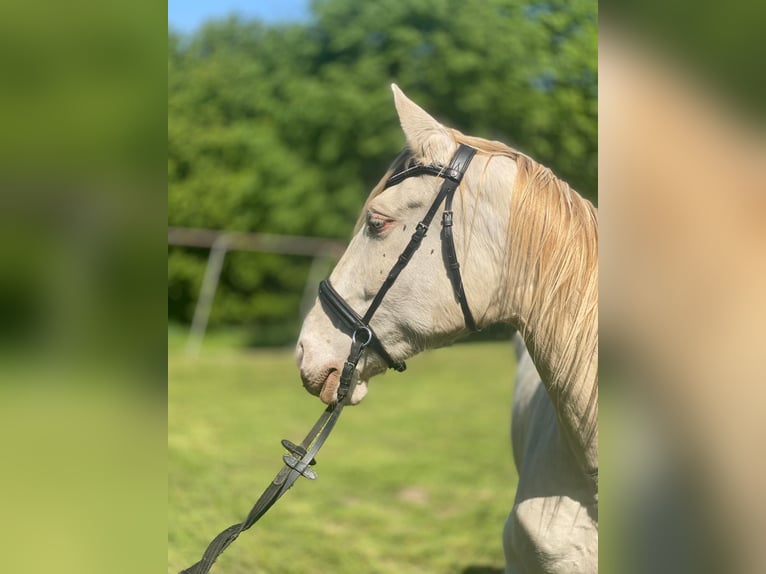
x=187 y=15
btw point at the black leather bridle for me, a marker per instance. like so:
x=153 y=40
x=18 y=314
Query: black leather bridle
x=362 y=334
x=301 y=457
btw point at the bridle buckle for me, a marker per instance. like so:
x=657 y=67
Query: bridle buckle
x=366 y=338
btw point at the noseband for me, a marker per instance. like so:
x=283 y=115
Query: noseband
x=362 y=334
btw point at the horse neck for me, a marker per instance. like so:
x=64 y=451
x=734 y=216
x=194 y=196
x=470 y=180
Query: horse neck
x=551 y=290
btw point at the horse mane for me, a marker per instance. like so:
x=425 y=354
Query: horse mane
x=552 y=247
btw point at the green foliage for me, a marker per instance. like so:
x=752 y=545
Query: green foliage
x=284 y=129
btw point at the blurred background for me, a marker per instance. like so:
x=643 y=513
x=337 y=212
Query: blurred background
x=682 y=230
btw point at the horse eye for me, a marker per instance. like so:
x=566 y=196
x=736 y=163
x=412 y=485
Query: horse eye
x=376 y=224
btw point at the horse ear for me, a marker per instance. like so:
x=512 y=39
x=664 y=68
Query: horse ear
x=426 y=137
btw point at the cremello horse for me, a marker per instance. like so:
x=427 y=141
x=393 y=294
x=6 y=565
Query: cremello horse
x=528 y=250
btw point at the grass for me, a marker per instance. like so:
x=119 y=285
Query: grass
x=419 y=478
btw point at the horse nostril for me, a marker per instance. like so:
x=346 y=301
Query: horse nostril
x=299 y=354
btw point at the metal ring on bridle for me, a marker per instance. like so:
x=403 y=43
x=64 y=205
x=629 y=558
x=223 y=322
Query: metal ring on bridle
x=366 y=332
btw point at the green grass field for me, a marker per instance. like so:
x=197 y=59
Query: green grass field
x=419 y=478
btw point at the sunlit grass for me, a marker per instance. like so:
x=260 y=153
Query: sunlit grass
x=418 y=478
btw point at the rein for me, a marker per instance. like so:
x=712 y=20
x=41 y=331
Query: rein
x=302 y=457
x=296 y=464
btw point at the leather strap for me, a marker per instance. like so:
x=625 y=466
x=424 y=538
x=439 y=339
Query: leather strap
x=406 y=255
x=413 y=171
x=340 y=309
x=448 y=243
x=294 y=468
x=297 y=464
x=453 y=175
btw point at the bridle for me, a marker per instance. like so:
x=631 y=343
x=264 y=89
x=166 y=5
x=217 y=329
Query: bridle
x=362 y=334
x=301 y=457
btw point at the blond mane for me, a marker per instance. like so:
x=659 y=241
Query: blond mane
x=552 y=250
x=552 y=268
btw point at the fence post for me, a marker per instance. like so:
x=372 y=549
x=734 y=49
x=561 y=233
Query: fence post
x=207 y=294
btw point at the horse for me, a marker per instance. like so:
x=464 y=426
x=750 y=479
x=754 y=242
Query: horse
x=527 y=247
x=553 y=525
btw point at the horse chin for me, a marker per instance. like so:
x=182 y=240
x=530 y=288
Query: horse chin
x=358 y=393
x=329 y=391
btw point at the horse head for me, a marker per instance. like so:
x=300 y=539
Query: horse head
x=421 y=309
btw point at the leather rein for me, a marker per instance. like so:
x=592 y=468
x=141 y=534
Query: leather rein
x=301 y=457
